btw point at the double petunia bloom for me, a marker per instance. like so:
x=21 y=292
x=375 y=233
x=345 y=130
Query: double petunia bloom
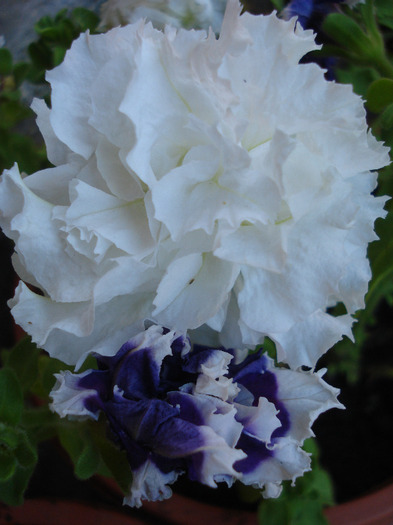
x=175 y=409
x=210 y=185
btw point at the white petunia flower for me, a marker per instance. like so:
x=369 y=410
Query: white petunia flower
x=211 y=185
x=197 y=14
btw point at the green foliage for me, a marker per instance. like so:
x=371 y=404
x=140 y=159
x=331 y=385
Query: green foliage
x=384 y=10
x=357 y=39
x=380 y=94
x=11 y=399
x=278 y=4
x=5 y=62
x=18 y=455
x=12 y=489
x=92 y=453
x=23 y=361
x=347 y=33
x=23 y=425
x=55 y=36
x=302 y=504
x=23 y=422
x=81 y=447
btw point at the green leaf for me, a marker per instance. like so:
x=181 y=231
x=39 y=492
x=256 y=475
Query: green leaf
x=115 y=460
x=15 y=441
x=8 y=465
x=359 y=77
x=42 y=24
x=278 y=4
x=40 y=423
x=58 y=55
x=273 y=512
x=385 y=12
x=61 y=15
x=302 y=504
x=5 y=61
x=88 y=461
x=68 y=33
x=8 y=437
x=20 y=72
x=306 y=511
x=25 y=452
x=17 y=148
x=85 y=19
x=47 y=367
x=12 y=112
x=270 y=347
x=323 y=484
x=380 y=94
x=11 y=398
x=23 y=359
x=12 y=490
x=40 y=54
x=77 y=440
x=347 y=33
x=387 y=118
x=18 y=457
x=50 y=33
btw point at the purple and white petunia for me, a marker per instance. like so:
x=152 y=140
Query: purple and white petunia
x=176 y=408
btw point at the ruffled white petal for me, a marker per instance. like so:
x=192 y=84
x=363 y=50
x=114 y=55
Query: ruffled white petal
x=70 y=331
x=260 y=421
x=27 y=219
x=305 y=395
x=217 y=458
x=235 y=200
x=68 y=399
x=149 y=483
x=288 y=462
x=306 y=341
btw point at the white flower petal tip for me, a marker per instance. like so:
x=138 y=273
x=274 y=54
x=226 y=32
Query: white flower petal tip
x=235 y=202
x=68 y=399
x=149 y=483
x=272 y=490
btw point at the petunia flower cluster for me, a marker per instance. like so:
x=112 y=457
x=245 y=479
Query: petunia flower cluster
x=210 y=185
x=177 y=409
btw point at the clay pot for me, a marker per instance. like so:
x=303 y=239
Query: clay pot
x=373 y=509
